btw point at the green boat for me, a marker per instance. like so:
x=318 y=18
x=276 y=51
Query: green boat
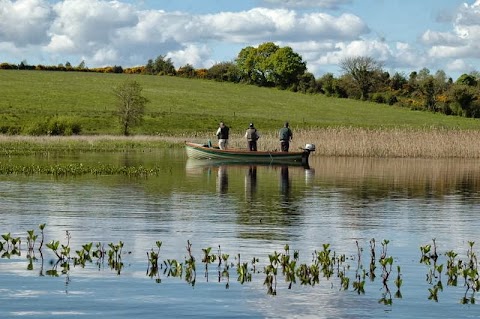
x=204 y=151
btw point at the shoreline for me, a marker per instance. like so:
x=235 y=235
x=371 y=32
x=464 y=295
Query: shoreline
x=332 y=142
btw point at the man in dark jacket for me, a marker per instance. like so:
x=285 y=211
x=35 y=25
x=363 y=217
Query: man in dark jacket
x=286 y=136
x=252 y=136
x=222 y=134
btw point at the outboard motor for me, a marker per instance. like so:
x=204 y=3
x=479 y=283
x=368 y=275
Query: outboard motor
x=309 y=147
x=306 y=153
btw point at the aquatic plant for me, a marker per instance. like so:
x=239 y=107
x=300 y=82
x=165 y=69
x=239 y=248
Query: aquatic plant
x=324 y=259
x=190 y=267
x=152 y=267
x=373 y=263
x=173 y=268
x=41 y=227
x=359 y=284
x=11 y=245
x=453 y=268
x=31 y=238
x=334 y=267
x=78 y=169
x=471 y=275
x=207 y=259
x=115 y=256
x=398 y=283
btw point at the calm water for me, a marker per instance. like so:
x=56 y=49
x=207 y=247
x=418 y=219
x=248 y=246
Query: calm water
x=247 y=210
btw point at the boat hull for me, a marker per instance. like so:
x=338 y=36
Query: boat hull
x=199 y=151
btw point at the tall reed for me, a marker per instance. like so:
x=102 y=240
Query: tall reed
x=338 y=142
x=361 y=142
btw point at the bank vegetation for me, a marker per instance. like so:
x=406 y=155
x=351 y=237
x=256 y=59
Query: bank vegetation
x=333 y=142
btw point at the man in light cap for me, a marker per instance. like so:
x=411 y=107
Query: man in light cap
x=252 y=136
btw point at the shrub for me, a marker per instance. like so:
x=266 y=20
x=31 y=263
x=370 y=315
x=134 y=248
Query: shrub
x=378 y=98
x=392 y=99
x=10 y=130
x=40 y=127
x=59 y=125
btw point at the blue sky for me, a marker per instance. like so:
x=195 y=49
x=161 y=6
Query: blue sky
x=405 y=35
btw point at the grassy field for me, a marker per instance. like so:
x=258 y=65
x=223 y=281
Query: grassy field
x=185 y=107
x=190 y=109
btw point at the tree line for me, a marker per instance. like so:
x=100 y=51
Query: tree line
x=363 y=78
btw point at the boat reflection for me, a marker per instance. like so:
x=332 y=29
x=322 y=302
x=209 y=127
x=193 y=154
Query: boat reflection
x=196 y=166
x=226 y=173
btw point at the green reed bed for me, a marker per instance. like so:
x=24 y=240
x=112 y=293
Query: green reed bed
x=278 y=270
x=25 y=145
x=78 y=169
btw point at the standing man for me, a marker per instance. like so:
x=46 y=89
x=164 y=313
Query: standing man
x=286 y=136
x=222 y=134
x=252 y=136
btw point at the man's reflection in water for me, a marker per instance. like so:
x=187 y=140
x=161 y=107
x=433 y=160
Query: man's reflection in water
x=222 y=180
x=284 y=184
x=309 y=176
x=251 y=182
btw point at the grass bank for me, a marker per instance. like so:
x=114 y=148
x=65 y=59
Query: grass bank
x=189 y=107
x=346 y=142
x=21 y=145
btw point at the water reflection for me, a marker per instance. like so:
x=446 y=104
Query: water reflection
x=251 y=183
x=222 y=179
x=284 y=183
x=272 y=194
x=261 y=208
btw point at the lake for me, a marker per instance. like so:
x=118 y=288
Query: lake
x=338 y=217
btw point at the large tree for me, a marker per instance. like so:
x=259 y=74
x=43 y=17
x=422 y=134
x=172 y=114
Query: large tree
x=161 y=66
x=130 y=104
x=462 y=98
x=467 y=79
x=429 y=87
x=287 y=67
x=363 y=70
x=270 y=65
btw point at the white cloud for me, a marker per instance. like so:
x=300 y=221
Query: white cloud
x=327 y=4
x=459 y=65
x=250 y=25
x=92 y=22
x=24 y=22
x=445 y=38
x=325 y=57
x=105 y=56
x=406 y=56
x=90 y=28
x=462 y=41
x=117 y=32
x=192 y=54
x=114 y=32
x=443 y=51
x=61 y=44
x=347 y=26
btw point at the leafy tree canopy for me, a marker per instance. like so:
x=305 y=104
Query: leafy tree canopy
x=270 y=65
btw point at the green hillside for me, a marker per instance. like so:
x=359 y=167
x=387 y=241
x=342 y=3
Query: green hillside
x=184 y=106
